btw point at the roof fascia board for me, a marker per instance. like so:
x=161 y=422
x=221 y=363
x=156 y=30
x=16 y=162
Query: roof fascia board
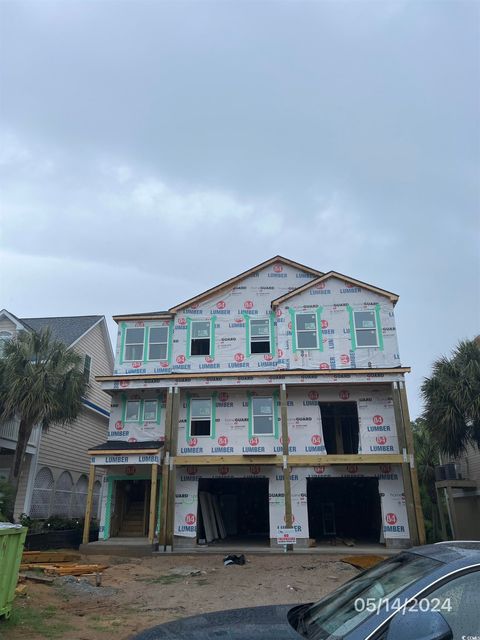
x=18 y=323
x=144 y=316
x=393 y=297
x=241 y=276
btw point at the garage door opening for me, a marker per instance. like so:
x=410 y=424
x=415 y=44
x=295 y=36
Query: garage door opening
x=233 y=510
x=347 y=508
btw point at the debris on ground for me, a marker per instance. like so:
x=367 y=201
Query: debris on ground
x=56 y=557
x=81 y=586
x=363 y=562
x=233 y=559
x=186 y=572
x=34 y=576
x=66 y=568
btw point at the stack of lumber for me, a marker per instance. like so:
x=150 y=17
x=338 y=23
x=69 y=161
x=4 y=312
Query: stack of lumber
x=60 y=563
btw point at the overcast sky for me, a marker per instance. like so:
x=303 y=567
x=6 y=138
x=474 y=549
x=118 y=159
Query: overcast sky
x=149 y=150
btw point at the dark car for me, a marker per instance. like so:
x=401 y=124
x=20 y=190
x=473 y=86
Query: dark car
x=425 y=593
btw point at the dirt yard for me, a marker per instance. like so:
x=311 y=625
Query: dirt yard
x=140 y=593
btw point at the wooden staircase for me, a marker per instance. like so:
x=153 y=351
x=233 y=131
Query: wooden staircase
x=132 y=525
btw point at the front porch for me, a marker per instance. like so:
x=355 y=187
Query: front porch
x=130 y=505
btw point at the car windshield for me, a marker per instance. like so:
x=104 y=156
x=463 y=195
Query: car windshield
x=337 y=614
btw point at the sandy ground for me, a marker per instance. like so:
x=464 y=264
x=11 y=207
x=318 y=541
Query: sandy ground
x=140 y=593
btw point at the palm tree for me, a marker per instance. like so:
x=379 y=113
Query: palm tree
x=452 y=399
x=41 y=382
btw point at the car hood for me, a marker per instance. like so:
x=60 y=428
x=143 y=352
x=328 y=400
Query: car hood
x=255 y=623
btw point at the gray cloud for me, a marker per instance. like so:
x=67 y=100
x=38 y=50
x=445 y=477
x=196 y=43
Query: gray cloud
x=149 y=150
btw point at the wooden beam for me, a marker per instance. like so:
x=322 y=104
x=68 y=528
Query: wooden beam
x=413 y=467
x=153 y=504
x=360 y=458
x=286 y=471
x=171 y=482
x=293 y=460
x=117 y=452
x=276 y=374
x=452 y=513
x=162 y=535
x=407 y=480
x=181 y=461
x=88 y=510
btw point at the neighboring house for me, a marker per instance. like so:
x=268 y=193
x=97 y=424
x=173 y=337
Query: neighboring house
x=459 y=482
x=53 y=479
x=273 y=401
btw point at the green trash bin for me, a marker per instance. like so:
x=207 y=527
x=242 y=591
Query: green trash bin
x=12 y=539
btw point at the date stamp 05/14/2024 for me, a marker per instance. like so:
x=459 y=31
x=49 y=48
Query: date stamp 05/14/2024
x=373 y=605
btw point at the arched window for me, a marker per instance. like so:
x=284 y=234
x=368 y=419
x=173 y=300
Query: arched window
x=63 y=495
x=42 y=494
x=79 y=499
x=4 y=337
x=96 y=498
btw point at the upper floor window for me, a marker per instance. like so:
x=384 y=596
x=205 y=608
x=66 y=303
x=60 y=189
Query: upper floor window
x=306 y=330
x=132 y=413
x=365 y=328
x=134 y=339
x=200 y=338
x=87 y=368
x=145 y=410
x=262 y=417
x=152 y=345
x=260 y=336
x=158 y=343
x=4 y=337
x=200 y=417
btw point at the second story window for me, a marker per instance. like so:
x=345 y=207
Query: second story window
x=134 y=338
x=260 y=336
x=158 y=343
x=132 y=412
x=144 y=410
x=262 y=417
x=200 y=338
x=365 y=328
x=306 y=330
x=87 y=367
x=150 y=410
x=200 y=417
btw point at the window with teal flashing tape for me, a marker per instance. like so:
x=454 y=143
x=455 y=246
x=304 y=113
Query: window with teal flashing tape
x=134 y=342
x=365 y=328
x=200 y=338
x=263 y=416
x=145 y=410
x=158 y=343
x=132 y=411
x=200 y=417
x=260 y=336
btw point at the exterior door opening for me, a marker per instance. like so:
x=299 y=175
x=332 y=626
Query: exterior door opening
x=340 y=427
x=347 y=508
x=233 y=510
x=130 y=512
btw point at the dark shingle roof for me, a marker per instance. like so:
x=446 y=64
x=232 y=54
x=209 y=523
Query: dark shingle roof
x=122 y=445
x=66 y=329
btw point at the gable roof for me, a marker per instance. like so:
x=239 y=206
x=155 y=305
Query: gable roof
x=13 y=319
x=65 y=329
x=393 y=297
x=241 y=276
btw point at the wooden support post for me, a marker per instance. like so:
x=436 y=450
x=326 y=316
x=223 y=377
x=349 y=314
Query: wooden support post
x=286 y=469
x=88 y=510
x=441 y=512
x=407 y=481
x=162 y=534
x=452 y=513
x=413 y=468
x=172 y=470
x=152 y=521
